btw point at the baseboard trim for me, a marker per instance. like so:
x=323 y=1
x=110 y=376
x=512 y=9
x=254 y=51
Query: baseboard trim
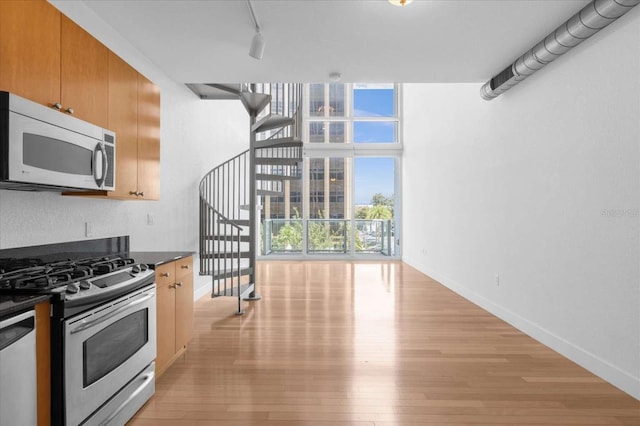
x=601 y=368
x=201 y=286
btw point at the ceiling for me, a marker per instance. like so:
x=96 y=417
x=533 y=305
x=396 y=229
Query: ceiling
x=364 y=40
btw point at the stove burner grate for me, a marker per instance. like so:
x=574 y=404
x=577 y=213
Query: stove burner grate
x=46 y=277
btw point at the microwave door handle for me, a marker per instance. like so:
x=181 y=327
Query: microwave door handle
x=92 y=323
x=99 y=149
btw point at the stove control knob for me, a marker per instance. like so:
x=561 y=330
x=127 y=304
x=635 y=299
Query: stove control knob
x=85 y=285
x=72 y=288
x=144 y=267
x=135 y=269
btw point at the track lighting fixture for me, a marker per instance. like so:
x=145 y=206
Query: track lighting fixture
x=257 y=43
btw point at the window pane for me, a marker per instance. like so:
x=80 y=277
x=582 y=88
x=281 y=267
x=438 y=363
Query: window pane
x=328 y=236
x=336 y=100
x=374 y=183
x=337 y=208
x=374 y=132
x=295 y=198
x=374 y=100
x=375 y=205
x=316 y=132
x=336 y=132
x=316 y=100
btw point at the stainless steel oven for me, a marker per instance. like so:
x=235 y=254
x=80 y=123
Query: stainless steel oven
x=103 y=325
x=104 y=349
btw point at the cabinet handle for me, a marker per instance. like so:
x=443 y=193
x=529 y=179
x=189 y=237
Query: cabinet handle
x=179 y=284
x=69 y=110
x=185 y=266
x=133 y=193
x=141 y=194
x=57 y=106
x=172 y=286
x=165 y=274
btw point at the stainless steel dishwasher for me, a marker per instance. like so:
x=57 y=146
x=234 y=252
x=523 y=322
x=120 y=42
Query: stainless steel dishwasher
x=18 y=393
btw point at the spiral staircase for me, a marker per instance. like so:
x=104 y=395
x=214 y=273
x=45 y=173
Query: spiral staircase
x=231 y=194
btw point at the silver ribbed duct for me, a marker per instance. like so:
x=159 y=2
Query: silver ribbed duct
x=591 y=19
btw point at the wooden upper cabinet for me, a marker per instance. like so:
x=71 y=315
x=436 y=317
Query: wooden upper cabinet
x=47 y=58
x=30 y=50
x=123 y=119
x=148 y=139
x=84 y=74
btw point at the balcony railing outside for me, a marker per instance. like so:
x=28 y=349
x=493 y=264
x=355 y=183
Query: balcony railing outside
x=327 y=236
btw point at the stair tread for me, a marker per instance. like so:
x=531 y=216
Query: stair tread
x=230 y=88
x=254 y=102
x=239 y=222
x=228 y=274
x=227 y=255
x=243 y=238
x=278 y=143
x=269 y=193
x=248 y=207
x=271 y=121
x=277 y=161
x=215 y=91
x=266 y=176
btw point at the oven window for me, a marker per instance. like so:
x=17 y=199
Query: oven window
x=106 y=350
x=56 y=155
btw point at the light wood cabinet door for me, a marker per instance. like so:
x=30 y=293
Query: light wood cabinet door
x=166 y=315
x=84 y=74
x=184 y=302
x=148 y=139
x=123 y=119
x=30 y=50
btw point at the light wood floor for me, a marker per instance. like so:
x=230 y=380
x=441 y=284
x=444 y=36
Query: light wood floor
x=342 y=343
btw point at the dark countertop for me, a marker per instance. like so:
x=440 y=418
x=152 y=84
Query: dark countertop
x=155 y=258
x=10 y=304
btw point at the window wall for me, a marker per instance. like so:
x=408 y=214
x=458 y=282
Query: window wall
x=347 y=199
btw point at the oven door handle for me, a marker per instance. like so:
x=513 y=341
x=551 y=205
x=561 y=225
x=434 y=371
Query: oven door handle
x=84 y=324
x=148 y=378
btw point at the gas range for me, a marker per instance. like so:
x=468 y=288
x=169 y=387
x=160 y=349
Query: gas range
x=74 y=285
x=102 y=324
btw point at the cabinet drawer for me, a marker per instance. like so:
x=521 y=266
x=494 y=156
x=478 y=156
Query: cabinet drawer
x=184 y=266
x=166 y=274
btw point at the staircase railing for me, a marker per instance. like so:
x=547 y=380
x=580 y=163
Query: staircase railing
x=224 y=193
x=229 y=193
x=286 y=100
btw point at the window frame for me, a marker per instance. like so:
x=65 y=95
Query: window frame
x=347 y=150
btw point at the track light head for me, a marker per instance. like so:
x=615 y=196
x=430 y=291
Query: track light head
x=257 y=46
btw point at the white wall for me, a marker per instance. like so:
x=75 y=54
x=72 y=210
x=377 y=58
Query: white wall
x=541 y=187
x=195 y=137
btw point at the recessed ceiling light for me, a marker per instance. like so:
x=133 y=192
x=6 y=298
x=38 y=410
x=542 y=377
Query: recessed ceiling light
x=400 y=2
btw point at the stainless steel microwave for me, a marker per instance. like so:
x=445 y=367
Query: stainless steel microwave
x=44 y=149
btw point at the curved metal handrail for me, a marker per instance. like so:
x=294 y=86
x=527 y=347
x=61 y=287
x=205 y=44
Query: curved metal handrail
x=212 y=172
x=229 y=188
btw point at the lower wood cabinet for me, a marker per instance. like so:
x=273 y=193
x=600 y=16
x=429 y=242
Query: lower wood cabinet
x=174 y=282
